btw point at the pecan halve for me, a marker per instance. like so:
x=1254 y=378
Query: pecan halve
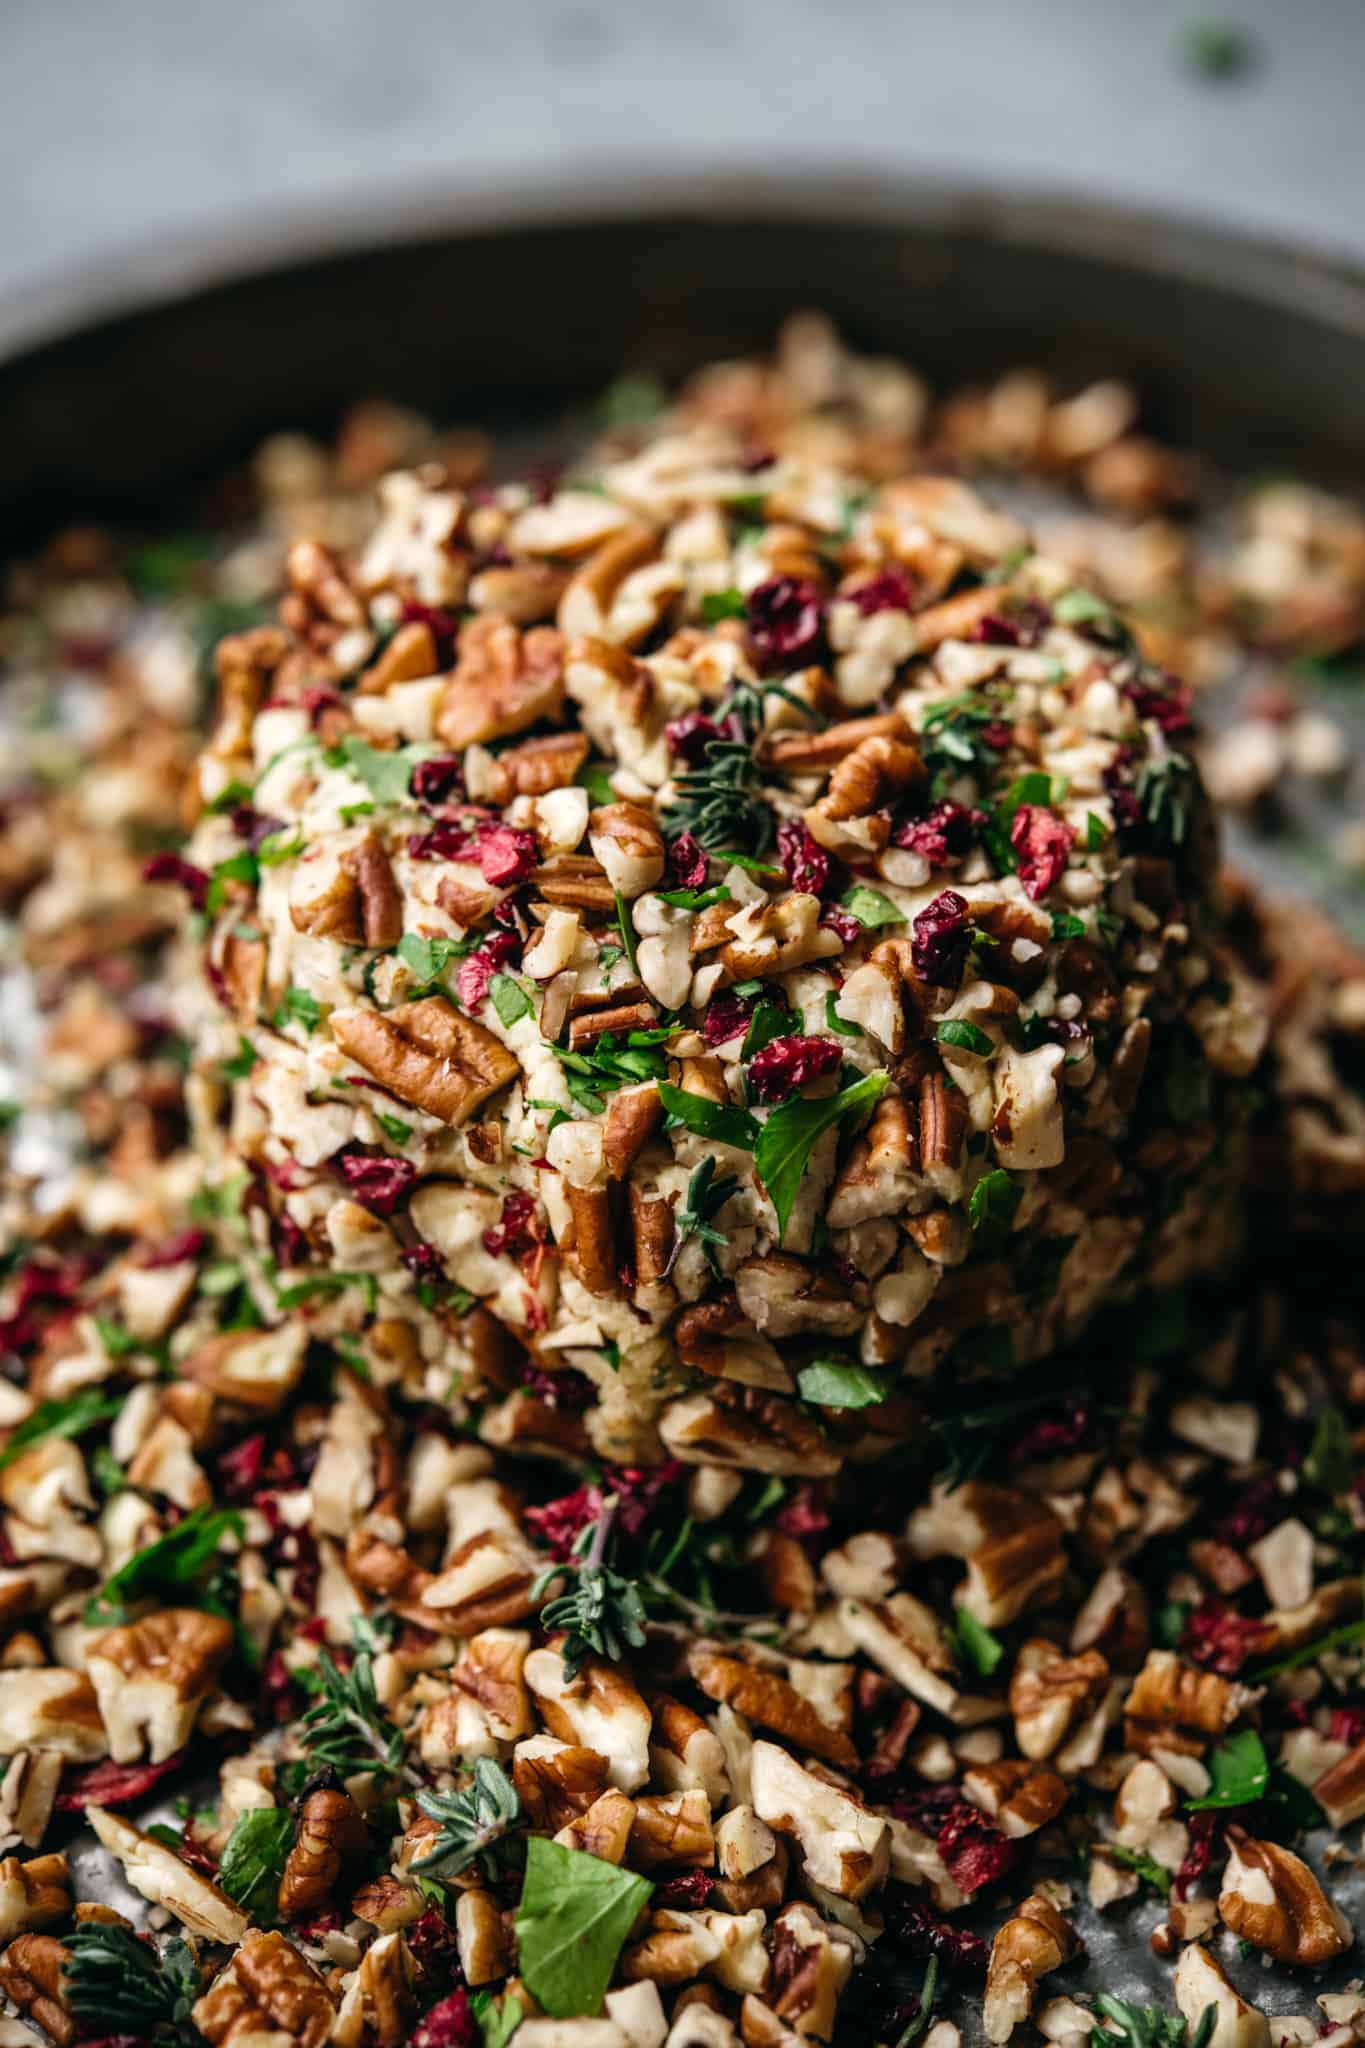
x=427 y=1054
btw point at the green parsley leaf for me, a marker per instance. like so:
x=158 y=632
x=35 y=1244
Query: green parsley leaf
x=694 y=899
x=176 y=1560
x=297 y=1006
x=1330 y=1464
x=243 y=1060
x=771 y=1019
x=509 y=998
x=393 y=1127
x=1066 y=925
x=834 y=1022
x=85 y=1410
x=839 y=1383
x=595 y=777
x=238 y=867
x=386 y=773
x=1035 y=787
x=723 y=604
x=968 y=1037
x=1240 y=1771
x=575 y=1914
x=1079 y=607
x=1095 y=832
x=788 y=1138
x=870 y=907
x=1146 y=2026
x=118 y=1342
x=253 y=1861
x=991 y=1206
x=473 y=1821
x=627 y=930
x=428 y=959
x=722 y=1121
x=977 y=1646
x=280 y=846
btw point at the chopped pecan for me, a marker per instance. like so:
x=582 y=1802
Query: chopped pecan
x=33 y=1894
x=1035 y=1941
x=1050 y=1694
x=629 y=845
x=1019 y=1796
x=846 y=1848
x=1340 y=1791
x=598 y=1706
x=1201 y=1982
x=330 y=1837
x=152 y=1676
x=556 y=1782
x=762 y=1695
x=807 y=752
x=575 y=881
x=1180 y=1705
x=604 y=1830
x=672 y=1829
x=31 y=1978
x=427 y=1054
x=503 y=681
x=589 y=1244
x=1271 y=1898
x=159 y=1874
x=747 y=1428
x=483 y=1937
x=1011 y=1543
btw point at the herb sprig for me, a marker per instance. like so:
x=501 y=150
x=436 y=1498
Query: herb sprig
x=601 y=1611
x=473 y=1823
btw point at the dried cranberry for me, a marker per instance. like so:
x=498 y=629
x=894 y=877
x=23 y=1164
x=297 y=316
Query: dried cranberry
x=726 y=1016
x=1052 y=1436
x=890 y=591
x=804 y=861
x=974 y=1851
x=187 y=1245
x=288 y=1241
x=1220 y=1639
x=805 y=1514
x=567 y=1391
x=922 y=1806
x=1168 y=706
x=996 y=734
x=1206 y=1842
x=918 y=1928
x=316 y=699
x=111 y=1784
x=517 y=1231
x=1348 y=1725
x=686 y=1892
x=939 y=938
x=559 y=1522
x=443 y=626
x=477 y=969
x=448 y=840
x=946 y=832
x=424 y=1262
x=843 y=922
x=995 y=630
x=786 y=1064
x=382 y=1184
x=689 y=736
x=507 y=854
x=686 y=862
x=1253 y=1514
x=169 y=867
x=638 y=1490
x=239 y=1468
x=45 y=1294
x=439 y=780
x=431 y=1940
x=451 y=2024
x=1043 y=842
x=786 y=621
x=255 y=826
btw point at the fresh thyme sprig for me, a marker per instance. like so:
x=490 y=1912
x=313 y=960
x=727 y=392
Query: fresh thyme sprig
x=345 y=1729
x=721 y=803
x=706 y=1197
x=1146 y=2026
x=601 y=1611
x=473 y=1822
x=123 y=1986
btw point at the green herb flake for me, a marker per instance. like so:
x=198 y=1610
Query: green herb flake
x=253 y=1861
x=839 y=1383
x=694 y=899
x=386 y=773
x=841 y=1025
x=627 y=930
x=575 y=1914
x=975 y=1643
x=50 y=1419
x=238 y=867
x=298 y=1006
x=721 y=1121
x=706 y=1196
x=991 y=1208
x=789 y=1136
x=395 y=1130
x=1066 y=925
x=176 y=1560
x=280 y=847
x=239 y=1067
x=723 y=604
x=966 y=1036
x=472 y=1822
x=509 y=999
x=120 y=1984
x=870 y=907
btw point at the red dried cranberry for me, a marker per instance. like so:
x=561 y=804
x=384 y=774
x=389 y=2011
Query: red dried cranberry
x=111 y=1784
x=382 y=1184
x=448 y=840
x=558 y=1522
x=995 y=630
x=113 y=2040
x=424 y=1262
x=507 y=854
x=517 y=1231
x=1049 y=1438
x=687 y=1892
x=805 y=1514
x=939 y=938
x=974 y=1851
x=946 y=832
x=443 y=626
x=832 y=919
x=316 y=699
x=187 y=1245
x=1206 y=1842
x=1253 y=1514
x=786 y=621
x=686 y=862
x=919 y=1929
x=288 y=1241
x=451 y=2024
x=786 y=1064
x=1168 y=706
x=169 y=867
x=726 y=1016
x=439 y=780
x=567 y=1391
x=638 y=1490
x=1043 y=842
x=431 y=1940
x=1220 y=1639
x=239 y=1468
x=689 y=736
x=477 y=969
x=804 y=861
x=45 y=1294
x=890 y=591
x=1348 y=1725
x=922 y=1806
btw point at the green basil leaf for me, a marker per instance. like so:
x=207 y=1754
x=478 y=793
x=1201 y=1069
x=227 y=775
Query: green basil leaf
x=870 y=907
x=174 y=1561
x=991 y=1206
x=1240 y=1771
x=966 y=1036
x=429 y=958
x=834 y=1022
x=723 y=1121
x=723 y=604
x=509 y=999
x=772 y=1019
x=788 y=1138
x=85 y=1410
x=575 y=1914
x=385 y=772
x=838 y=1383
x=253 y=1861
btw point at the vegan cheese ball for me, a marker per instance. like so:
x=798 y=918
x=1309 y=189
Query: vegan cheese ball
x=689 y=952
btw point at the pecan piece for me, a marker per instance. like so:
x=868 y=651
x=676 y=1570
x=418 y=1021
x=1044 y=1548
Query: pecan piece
x=1270 y=1897
x=331 y=1835
x=152 y=1676
x=268 y=1987
x=32 y=1894
x=1019 y=1796
x=1011 y=1543
x=345 y=890
x=1050 y=1695
x=630 y=846
x=764 y=1696
x=31 y=1978
x=427 y=1054
x=503 y=681
x=1036 y=1940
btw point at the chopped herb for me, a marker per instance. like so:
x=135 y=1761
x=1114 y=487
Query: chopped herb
x=242 y=1061
x=393 y=1127
x=751 y=867
x=924 y=2007
x=591 y=1076
x=870 y=907
x=771 y=1019
x=695 y=899
x=627 y=930
x=280 y=846
x=1148 y=1869
x=106 y=1471
x=974 y=1437
x=345 y=1729
x=50 y=1419
x=607 y=957
x=1330 y=1463
x=706 y=1196
x=991 y=1208
x=509 y=999
x=1066 y=925
x=1095 y=832
x=966 y=1036
x=789 y=1136
x=723 y=604
x=839 y=1383
x=348 y=813
x=555 y=1112
x=117 y=1342
x=575 y=1915
x=722 y=1121
x=1163 y=791
x=176 y=1560
x=119 y=1984
x=601 y=1612
x=1035 y=787
x=595 y=777
x=722 y=801
x=497 y=2023
x=386 y=773
x=254 y=1859
x=834 y=1022
x=976 y=1645
x=1146 y=2026
x=328 y=1283
x=473 y=1822
x=1239 y=1769
x=238 y=867
x=428 y=959
x=1082 y=608
x=298 y=1006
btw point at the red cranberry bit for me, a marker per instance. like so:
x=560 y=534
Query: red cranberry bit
x=506 y=853
x=517 y=1230
x=239 y=1469
x=477 y=969
x=434 y=1948
x=1049 y=1438
x=1206 y=1842
x=726 y=1016
x=559 y=1522
x=188 y=1245
x=111 y=1784
x=832 y=919
x=381 y=1184
x=567 y=1391
x=288 y=1241
x=918 y=1928
x=804 y=861
x=1168 y=706
x=449 y=840
x=689 y=736
x=439 y=780
x=639 y=1492
x=686 y=862
x=945 y=832
x=424 y=1262
x=44 y=1295
x=1043 y=842
x=1220 y=1639
x=974 y=1851
x=686 y=1892
x=805 y=1514
x=451 y=2024
x=169 y=867
x=1253 y=1515
x=1348 y=1725
x=939 y=939
x=787 y=1064
x=888 y=592
x=786 y=621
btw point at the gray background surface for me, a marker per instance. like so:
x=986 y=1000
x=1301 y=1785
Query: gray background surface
x=142 y=141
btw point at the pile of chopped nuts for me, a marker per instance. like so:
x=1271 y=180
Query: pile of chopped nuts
x=668 y=1380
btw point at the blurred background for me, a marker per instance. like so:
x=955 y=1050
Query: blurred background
x=145 y=142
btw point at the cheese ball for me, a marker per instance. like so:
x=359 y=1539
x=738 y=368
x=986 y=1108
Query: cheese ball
x=691 y=954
